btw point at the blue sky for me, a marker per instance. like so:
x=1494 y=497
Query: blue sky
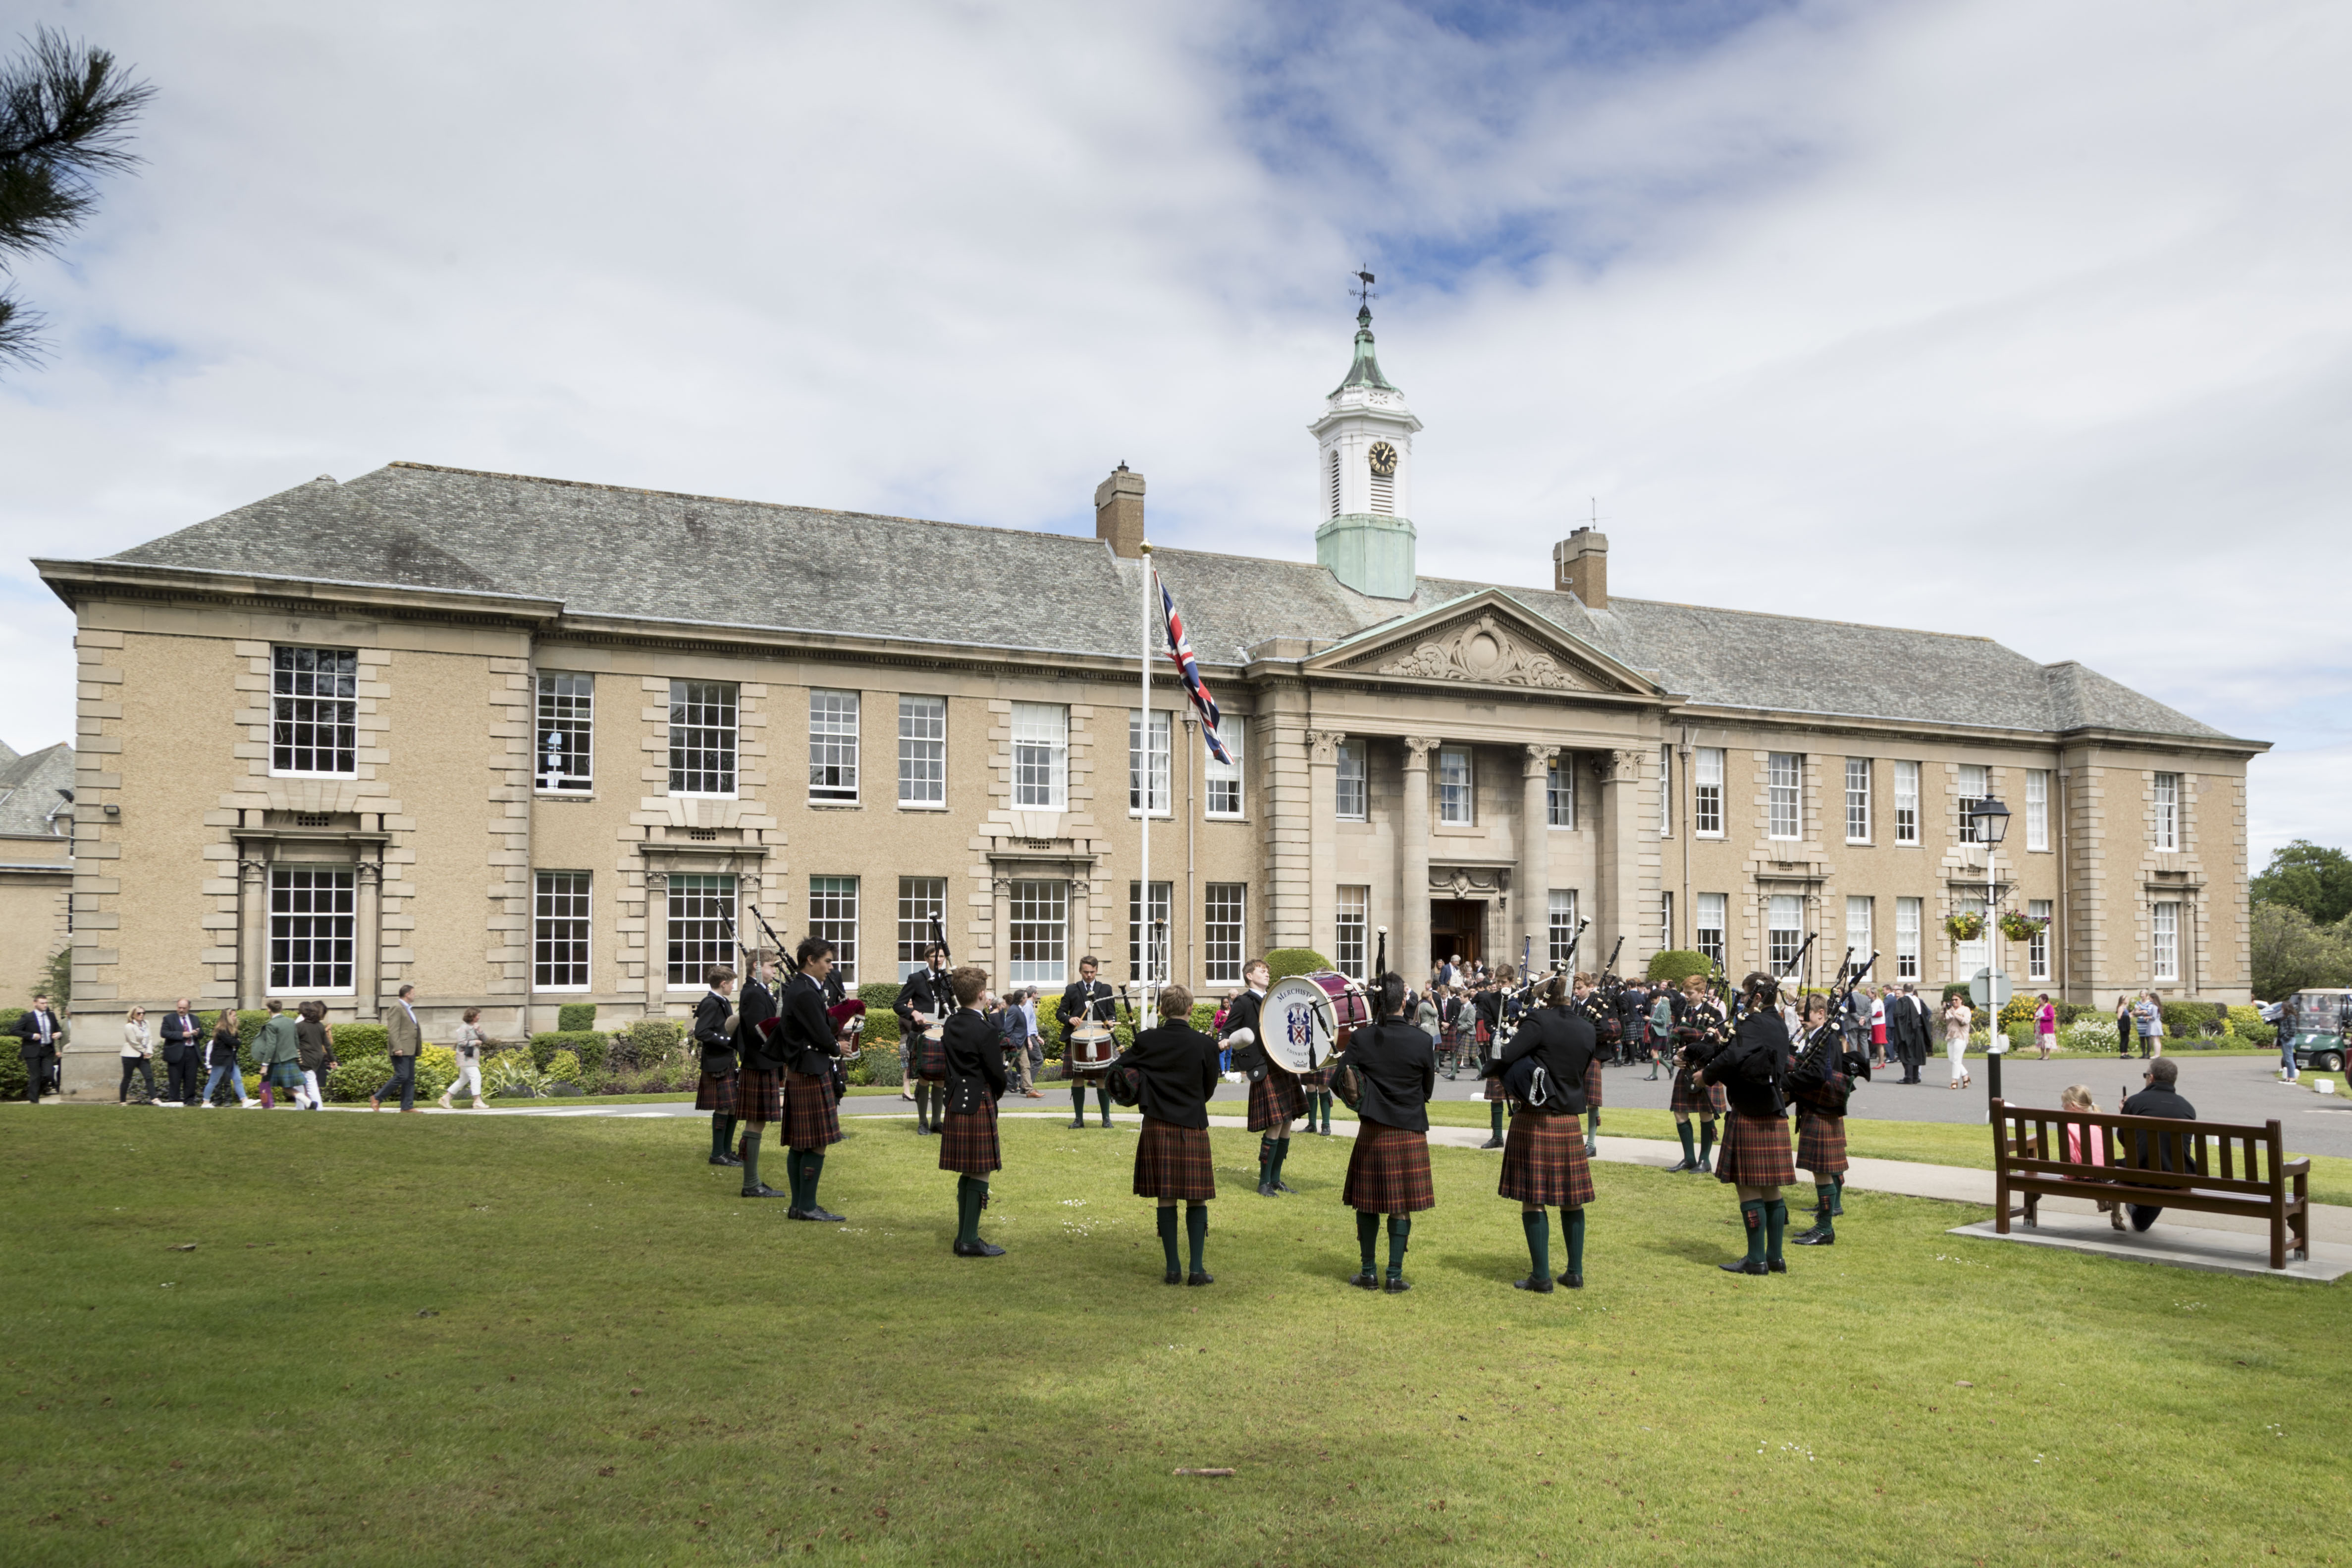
x=2030 y=321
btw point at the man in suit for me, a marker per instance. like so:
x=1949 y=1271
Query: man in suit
x=39 y=1036
x=1086 y=1000
x=407 y=1038
x=1906 y=1030
x=184 y=1053
x=925 y=1003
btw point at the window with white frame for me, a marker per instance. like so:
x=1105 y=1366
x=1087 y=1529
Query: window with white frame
x=1559 y=791
x=2037 y=946
x=1224 y=779
x=1857 y=799
x=1967 y=957
x=1665 y=921
x=1355 y=921
x=2164 y=932
x=2037 y=808
x=1041 y=758
x=1858 y=912
x=562 y=750
x=2167 y=812
x=1351 y=801
x=1561 y=933
x=702 y=721
x=922 y=751
x=1975 y=784
x=1453 y=801
x=1665 y=792
x=1135 y=762
x=833 y=746
x=314 y=712
x=1784 y=932
x=1222 y=929
x=1782 y=786
x=1707 y=794
x=313 y=930
x=701 y=910
x=558 y=932
x=1038 y=928
x=921 y=901
x=1706 y=932
x=1906 y=803
x=1158 y=932
x=832 y=915
x=1907 y=912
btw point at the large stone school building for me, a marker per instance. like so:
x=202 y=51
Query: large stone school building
x=524 y=742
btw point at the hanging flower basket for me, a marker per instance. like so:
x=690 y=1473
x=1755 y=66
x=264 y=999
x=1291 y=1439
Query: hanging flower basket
x=1964 y=928
x=2023 y=927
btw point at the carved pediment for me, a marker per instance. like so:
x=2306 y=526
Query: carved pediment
x=1486 y=639
x=1486 y=650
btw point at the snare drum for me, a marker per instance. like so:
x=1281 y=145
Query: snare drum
x=1091 y=1047
x=1306 y=1018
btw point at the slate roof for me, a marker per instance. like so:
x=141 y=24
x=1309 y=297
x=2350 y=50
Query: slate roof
x=651 y=554
x=29 y=785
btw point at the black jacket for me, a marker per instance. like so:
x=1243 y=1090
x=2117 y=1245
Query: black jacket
x=1562 y=1042
x=711 y=1033
x=1086 y=1000
x=222 y=1051
x=1489 y=1004
x=1246 y=1012
x=29 y=1034
x=2156 y=1100
x=1397 y=1067
x=804 y=1040
x=755 y=1005
x=1754 y=1068
x=177 y=1041
x=923 y=992
x=1180 y=1073
x=975 y=1053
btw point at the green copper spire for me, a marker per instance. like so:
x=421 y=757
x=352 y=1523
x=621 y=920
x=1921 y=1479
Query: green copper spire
x=1366 y=371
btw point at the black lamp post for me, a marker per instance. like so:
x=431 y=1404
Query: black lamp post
x=1990 y=820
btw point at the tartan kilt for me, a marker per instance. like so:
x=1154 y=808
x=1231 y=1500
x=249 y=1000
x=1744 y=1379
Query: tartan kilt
x=1688 y=1099
x=1820 y=1143
x=286 y=1074
x=1592 y=1084
x=968 y=1141
x=1315 y=1082
x=1543 y=1161
x=1388 y=1171
x=760 y=1094
x=1173 y=1161
x=715 y=1092
x=1495 y=1089
x=810 y=1119
x=1275 y=1102
x=1755 y=1152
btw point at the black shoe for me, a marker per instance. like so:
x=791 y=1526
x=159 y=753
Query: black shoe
x=1573 y=1280
x=1685 y=1163
x=1743 y=1266
x=978 y=1248
x=1265 y=1190
x=1538 y=1283
x=1366 y=1280
x=1816 y=1236
x=1492 y=1143
x=921 y=1131
x=1776 y=1266
x=1106 y=1121
x=1281 y=1186
x=1200 y=1278
x=1592 y=1147
x=1398 y=1286
x=764 y=1191
x=1175 y=1276
x=725 y=1160
x=826 y=1216
x=1080 y=1122
x=1704 y=1167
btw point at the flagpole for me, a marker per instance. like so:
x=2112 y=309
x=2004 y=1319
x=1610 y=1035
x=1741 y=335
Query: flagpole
x=1143 y=1019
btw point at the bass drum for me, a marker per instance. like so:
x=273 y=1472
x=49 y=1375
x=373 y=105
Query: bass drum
x=1306 y=1018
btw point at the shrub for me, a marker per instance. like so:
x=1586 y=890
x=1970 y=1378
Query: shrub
x=574 y=1017
x=1288 y=961
x=356 y=1077
x=12 y=1072
x=588 y=1048
x=2187 y=1019
x=2019 y=1008
x=2241 y=1016
x=1952 y=988
x=2258 y=1034
x=1677 y=964
x=511 y=1073
x=881 y=1023
x=652 y=1042
x=562 y=1068
x=361 y=1040
x=879 y=1065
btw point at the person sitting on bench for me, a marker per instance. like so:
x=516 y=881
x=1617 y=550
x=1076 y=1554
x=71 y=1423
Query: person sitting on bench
x=2158 y=1098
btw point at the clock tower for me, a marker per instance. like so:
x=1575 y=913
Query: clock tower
x=1364 y=477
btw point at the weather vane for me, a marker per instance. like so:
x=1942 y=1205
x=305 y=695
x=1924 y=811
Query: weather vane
x=1363 y=290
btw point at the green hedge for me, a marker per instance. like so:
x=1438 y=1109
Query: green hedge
x=361 y=1040
x=574 y=1016
x=1679 y=964
x=651 y=1042
x=1284 y=961
x=589 y=1048
x=2189 y=1018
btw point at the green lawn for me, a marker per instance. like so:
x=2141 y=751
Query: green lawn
x=425 y=1340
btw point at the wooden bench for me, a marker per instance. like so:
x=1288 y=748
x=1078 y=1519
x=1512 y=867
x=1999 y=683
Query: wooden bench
x=2211 y=1167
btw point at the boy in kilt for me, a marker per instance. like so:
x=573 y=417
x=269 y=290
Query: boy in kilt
x=1702 y=1027
x=1086 y=1000
x=805 y=1043
x=1486 y=1015
x=1756 y=1162
x=1177 y=1065
x=1275 y=1098
x=717 y=1092
x=1595 y=1008
x=975 y=1081
x=1544 y=1164
x=1821 y=1142
x=924 y=1002
x=1388 y=1171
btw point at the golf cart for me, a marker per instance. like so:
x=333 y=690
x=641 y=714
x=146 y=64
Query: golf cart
x=2320 y=1019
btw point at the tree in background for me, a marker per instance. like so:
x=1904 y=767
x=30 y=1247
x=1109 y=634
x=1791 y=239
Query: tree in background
x=56 y=979
x=2307 y=877
x=2290 y=951
x=65 y=111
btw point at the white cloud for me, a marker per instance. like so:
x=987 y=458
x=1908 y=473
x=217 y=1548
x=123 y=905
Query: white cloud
x=2023 y=321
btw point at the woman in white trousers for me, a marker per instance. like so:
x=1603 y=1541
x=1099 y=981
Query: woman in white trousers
x=1957 y=1017
x=470 y=1041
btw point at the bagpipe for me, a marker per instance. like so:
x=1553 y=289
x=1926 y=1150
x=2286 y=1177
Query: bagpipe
x=1822 y=1079
x=1345 y=1080
x=1601 y=1003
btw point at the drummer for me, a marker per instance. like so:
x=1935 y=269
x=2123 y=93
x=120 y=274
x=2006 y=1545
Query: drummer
x=1275 y=1098
x=1090 y=1002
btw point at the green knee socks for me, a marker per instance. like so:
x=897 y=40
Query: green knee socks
x=1751 y=1214
x=1776 y=1222
x=793 y=1175
x=1168 y=1236
x=722 y=1129
x=1265 y=1158
x=1079 y=1102
x=1367 y=1235
x=1196 y=1232
x=751 y=1161
x=1102 y=1098
x=1538 y=1224
x=1494 y=1117
x=1682 y=1129
x=1706 y=1140
x=1399 y=1233
x=1827 y=1191
x=1572 y=1222
x=1592 y=1124
x=1324 y=1100
x=811 y=1163
x=1281 y=1153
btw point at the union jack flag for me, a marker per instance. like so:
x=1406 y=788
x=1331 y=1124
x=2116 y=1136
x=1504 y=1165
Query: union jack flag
x=1179 y=654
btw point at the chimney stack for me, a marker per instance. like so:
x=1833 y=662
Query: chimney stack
x=1579 y=565
x=1118 y=512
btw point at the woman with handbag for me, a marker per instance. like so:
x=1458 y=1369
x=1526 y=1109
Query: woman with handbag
x=222 y=1056
x=471 y=1039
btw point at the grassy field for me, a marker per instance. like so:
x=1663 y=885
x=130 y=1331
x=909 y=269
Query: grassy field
x=513 y=1341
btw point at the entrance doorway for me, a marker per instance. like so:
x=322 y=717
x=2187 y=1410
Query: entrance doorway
x=1456 y=926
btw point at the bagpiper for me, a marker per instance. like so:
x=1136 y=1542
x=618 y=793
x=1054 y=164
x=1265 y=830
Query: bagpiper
x=805 y=1042
x=1756 y=1161
x=924 y=1004
x=975 y=1081
x=1820 y=1133
x=1177 y=1065
x=1544 y=1164
x=716 y=1035
x=1388 y=1171
x=1702 y=1028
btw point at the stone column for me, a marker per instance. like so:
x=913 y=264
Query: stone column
x=1408 y=956
x=367 y=937
x=252 y=929
x=1323 y=841
x=1617 y=857
x=1534 y=892
x=657 y=943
